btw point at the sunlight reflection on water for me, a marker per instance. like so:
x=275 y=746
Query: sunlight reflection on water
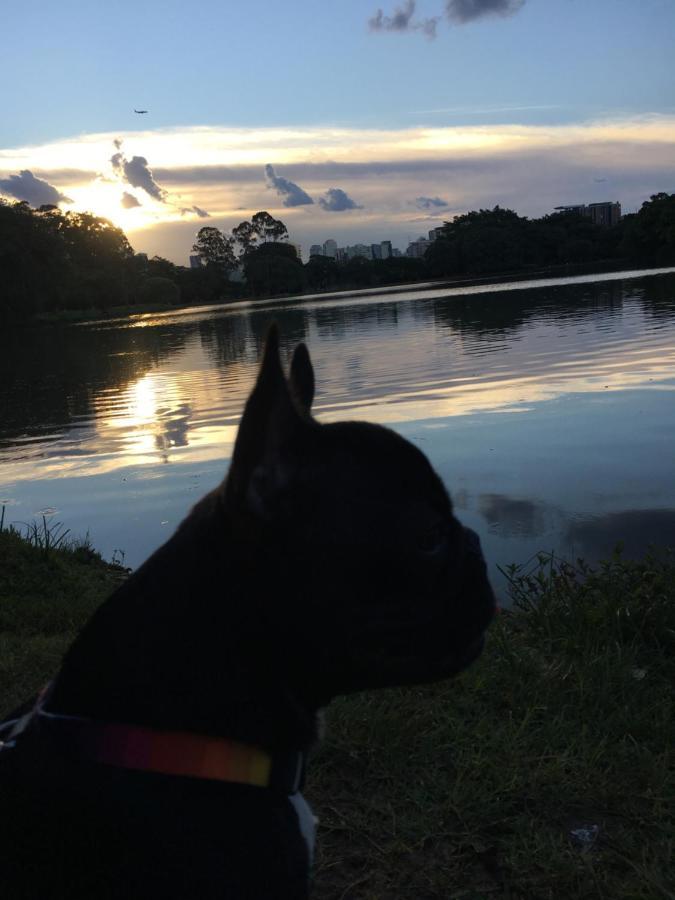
x=545 y=408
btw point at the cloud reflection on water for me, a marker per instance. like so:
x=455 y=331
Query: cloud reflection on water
x=109 y=396
x=545 y=410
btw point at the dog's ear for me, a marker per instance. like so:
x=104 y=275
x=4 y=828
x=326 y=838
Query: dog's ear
x=301 y=378
x=271 y=420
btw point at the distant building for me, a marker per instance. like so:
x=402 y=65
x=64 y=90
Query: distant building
x=418 y=248
x=385 y=249
x=330 y=248
x=375 y=251
x=195 y=262
x=605 y=213
x=579 y=208
x=340 y=255
x=298 y=249
x=396 y=252
x=358 y=250
x=315 y=250
x=436 y=233
x=608 y=213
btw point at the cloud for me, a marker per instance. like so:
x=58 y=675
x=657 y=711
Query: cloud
x=337 y=201
x=188 y=210
x=402 y=20
x=25 y=186
x=431 y=203
x=136 y=172
x=293 y=194
x=463 y=11
x=531 y=168
x=128 y=201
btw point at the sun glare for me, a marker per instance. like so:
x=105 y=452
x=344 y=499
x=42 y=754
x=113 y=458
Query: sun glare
x=104 y=198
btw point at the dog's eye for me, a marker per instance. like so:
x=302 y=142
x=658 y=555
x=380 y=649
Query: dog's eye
x=433 y=540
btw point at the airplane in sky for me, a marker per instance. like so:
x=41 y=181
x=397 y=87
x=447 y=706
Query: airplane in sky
x=140 y=112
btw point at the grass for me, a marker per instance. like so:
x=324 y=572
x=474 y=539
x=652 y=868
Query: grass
x=49 y=586
x=483 y=786
x=545 y=771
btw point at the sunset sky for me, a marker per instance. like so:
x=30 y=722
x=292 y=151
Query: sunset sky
x=347 y=120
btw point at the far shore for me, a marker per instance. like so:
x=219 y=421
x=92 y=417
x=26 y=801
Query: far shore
x=576 y=271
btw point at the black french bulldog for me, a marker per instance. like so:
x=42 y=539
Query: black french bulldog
x=165 y=758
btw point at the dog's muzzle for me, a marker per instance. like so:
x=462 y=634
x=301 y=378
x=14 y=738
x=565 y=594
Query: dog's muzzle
x=470 y=610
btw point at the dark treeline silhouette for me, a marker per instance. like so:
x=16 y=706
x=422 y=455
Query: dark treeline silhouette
x=52 y=261
x=499 y=240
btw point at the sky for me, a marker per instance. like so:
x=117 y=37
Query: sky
x=358 y=121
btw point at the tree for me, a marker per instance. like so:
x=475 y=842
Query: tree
x=158 y=289
x=274 y=268
x=161 y=268
x=651 y=233
x=322 y=272
x=246 y=236
x=489 y=240
x=216 y=249
x=262 y=228
x=269 y=228
x=34 y=269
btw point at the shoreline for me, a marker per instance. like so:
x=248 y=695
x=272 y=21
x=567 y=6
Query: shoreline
x=71 y=316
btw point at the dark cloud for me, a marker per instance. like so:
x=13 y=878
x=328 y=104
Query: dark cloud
x=25 y=186
x=336 y=200
x=431 y=203
x=128 y=201
x=463 y=11
x=189 y=210
x=402 y=20
x=428 y=26
x=293 y=194
x=328 y=171
x=136 y=172
x=556 y=164
x=64 y=176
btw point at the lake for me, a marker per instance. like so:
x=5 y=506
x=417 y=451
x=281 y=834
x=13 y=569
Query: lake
x=548 y=408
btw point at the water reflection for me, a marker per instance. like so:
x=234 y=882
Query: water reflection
x=513 y=517
x=151 y=398
x=635 y=530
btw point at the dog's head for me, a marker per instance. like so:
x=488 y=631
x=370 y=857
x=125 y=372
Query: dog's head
x=372 y=580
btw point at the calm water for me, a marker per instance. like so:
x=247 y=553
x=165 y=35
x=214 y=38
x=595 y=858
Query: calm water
x=548 y=408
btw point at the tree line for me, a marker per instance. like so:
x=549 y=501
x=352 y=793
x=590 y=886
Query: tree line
x=52 y=261
x=499 y=240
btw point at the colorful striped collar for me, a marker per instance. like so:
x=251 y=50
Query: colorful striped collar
x=164 y=752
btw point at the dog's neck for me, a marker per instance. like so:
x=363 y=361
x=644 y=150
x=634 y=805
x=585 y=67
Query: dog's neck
x=185 y=644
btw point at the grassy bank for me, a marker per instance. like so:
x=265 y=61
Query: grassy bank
x=47 y=592
x=543 y=772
